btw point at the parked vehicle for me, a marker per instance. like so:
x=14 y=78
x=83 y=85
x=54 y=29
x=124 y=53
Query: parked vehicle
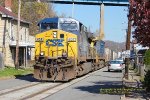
x=115 y=65
x=120 y=59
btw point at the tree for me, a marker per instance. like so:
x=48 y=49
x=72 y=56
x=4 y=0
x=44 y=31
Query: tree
x=147 y=81
x=139 y=13
x=147 y=60
x=33 y=12
x=147 y=57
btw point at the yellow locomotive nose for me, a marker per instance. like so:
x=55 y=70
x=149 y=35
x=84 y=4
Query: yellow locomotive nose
x=56 y=43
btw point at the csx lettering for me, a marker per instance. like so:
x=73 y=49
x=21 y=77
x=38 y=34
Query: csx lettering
x=54 y=42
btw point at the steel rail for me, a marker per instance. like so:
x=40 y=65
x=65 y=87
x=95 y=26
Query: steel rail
x=17 y=89
x=37 y=93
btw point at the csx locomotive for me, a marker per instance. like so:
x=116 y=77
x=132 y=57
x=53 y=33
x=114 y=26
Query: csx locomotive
x=64 y=50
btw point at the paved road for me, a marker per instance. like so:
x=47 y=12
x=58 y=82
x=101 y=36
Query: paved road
x=9 y=83
x=88 y=89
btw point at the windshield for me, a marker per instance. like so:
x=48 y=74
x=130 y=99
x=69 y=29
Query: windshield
x=69 y=26
x=48 y=26
x=115 y=62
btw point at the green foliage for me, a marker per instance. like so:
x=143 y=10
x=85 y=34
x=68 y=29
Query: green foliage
x=37 y=12
x=33 y=12
x=147 y=81
x=11 y=71
x=147 y=57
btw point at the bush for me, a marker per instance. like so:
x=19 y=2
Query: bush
x=147 y=76
x=147 y=81
x=147 y=57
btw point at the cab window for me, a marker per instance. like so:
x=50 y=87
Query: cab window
x=61 y=35
x=48 y=26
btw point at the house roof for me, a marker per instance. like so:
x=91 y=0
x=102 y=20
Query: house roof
x=10 y=14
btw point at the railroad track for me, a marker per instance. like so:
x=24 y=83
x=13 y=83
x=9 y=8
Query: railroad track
x=36 y=90
x=26 y=91
x=6 y=91
x=40 y=92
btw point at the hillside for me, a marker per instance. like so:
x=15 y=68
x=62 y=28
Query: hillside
x=115 y=45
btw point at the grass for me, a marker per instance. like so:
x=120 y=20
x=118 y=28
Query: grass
x=11 y=72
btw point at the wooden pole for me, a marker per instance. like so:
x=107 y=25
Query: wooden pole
x=127 y=60
x=17 y=36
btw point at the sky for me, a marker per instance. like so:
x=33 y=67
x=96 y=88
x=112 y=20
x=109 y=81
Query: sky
x=115 y=19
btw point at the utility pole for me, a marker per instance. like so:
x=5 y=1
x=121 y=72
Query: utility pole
x=127 y=60
x=17 y=36
x=101 y=35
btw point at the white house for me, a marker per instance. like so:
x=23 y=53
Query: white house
x=8 y=31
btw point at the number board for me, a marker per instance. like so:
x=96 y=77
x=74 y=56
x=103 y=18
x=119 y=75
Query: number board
x=71 y=39
x=39 y=39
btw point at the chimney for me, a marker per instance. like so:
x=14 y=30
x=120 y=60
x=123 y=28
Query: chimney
x=8 y=4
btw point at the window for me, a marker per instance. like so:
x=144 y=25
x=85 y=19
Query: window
x=69 y=26
x=48 y=26
x=61 y=35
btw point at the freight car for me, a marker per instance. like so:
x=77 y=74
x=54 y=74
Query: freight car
x=64 y=50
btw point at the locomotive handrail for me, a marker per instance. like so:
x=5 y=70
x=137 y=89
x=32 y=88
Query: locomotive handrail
x=72 y=50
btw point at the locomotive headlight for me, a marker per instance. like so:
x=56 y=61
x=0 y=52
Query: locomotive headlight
x=42 y=54
x=54 y=34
